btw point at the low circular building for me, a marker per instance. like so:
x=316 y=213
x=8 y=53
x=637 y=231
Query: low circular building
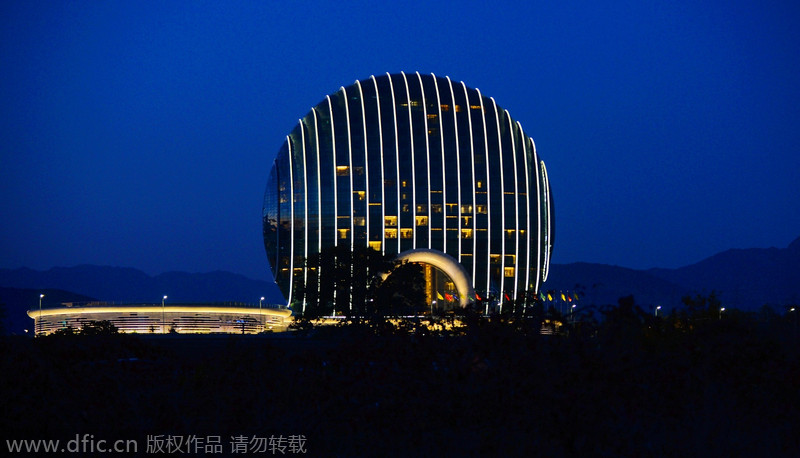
x=405 y=162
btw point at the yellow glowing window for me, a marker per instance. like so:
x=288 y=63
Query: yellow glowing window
x=422 y=208
x=390 y=233
x=479 y=184
x=422 y=220
x=458 y=108
x=466 y=233
x=404 y=183
x=436 y=208
x=405 y=208
x=415 y=103
x=510 y=232
x=508 y=271
x=342 y=170
x=445 y=107
x=361 y=194
x=375 y=245
x=481 y=209
x=343 y=233
x=406 y=233
x=390 y=221
x=475 y=107
x=359 y=220
x=466 y=220
x=432 y=116
x=466 y=209
x=495 y=258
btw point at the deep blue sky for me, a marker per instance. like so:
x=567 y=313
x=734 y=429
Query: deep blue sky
x=141 y=134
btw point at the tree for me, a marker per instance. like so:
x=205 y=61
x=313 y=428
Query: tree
x=98 y=328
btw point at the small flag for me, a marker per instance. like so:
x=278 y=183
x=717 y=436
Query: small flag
x=575 y=296
x=439 y=295
x=563 y=298
x=549 y=297
x=507 y=298
x=448 y=296
x=541 y=295
x=478 y=297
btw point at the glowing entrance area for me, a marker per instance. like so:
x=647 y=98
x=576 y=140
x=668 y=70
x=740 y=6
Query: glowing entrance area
x=444 y=276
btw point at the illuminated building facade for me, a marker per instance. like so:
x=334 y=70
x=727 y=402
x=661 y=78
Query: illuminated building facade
x=155 y=319
x=405 y=162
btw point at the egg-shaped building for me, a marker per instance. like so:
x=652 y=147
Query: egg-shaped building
x=411 y=163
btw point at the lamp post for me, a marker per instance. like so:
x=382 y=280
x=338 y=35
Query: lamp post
x=41 y=296
x=658 y=307
x=163 y=328
x=720 y=312
x=260 y=316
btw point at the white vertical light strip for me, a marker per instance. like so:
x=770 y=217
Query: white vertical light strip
x=516 y=204
x=458 y=172
x=502 y=206
x=444 y=176
x=383 y=178
x=335 y=191
x=349 y=168
x=474 y=192
x=366 y=161
x=538 y=217
x=428 y=152
x=350 y=173
x=305 y=215
x=319 y=201
x=488 y=198
x=291 y=224
x=527 y=209
x=413 y=169
x=335 y=183
x=548 y=241
x=397 y=158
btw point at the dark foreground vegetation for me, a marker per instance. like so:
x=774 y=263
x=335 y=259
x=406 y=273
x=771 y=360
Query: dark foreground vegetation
x=618 y=382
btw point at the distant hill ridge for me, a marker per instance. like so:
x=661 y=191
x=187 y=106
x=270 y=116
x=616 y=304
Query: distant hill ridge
x=743 y=278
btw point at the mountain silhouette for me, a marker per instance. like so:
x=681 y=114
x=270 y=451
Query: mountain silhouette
x=742 y=278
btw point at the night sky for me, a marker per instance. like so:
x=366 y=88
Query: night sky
x=141 y=134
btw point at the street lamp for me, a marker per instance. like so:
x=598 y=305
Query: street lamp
x=720 y=312
x=658 y=307
x=163 y=326
x=260 y=316
x=40 y=313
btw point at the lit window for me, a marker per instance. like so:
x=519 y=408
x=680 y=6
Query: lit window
x=510 y=233
x=359 y=221
x=466 y=209
x=422 y=220
x=466 y=220
x=458 y=108
x=509 y=271
x=390 y=221
x=432 y=115
x=422 y=208
x=406 y=233
x=466 y=233
x=475 y=107
x=445 y=107
x=415 y=103
x=361 y=194
x=405 y=208
x=481 y=209
x=375 y=245
x=342 y=170
x=390 y=233
x=436 y=208
x=479 y=184
x=495 y=258
x=404 y=183
x=343 y=233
